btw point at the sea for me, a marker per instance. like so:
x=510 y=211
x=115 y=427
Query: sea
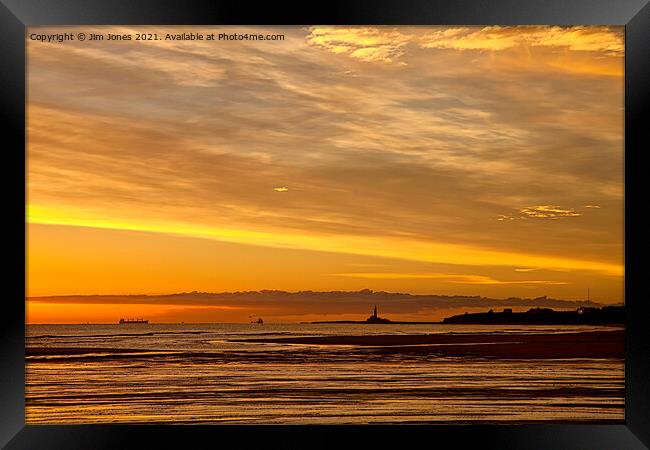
x=209 y=374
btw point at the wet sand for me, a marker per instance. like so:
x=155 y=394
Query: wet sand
x=323 y=374
x=52 y=351
x=597 y=344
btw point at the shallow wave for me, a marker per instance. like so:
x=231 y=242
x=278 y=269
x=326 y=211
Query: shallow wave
x=181 y=378
x=150 y=333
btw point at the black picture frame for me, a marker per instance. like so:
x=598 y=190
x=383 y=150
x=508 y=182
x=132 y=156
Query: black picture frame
x=16 y=15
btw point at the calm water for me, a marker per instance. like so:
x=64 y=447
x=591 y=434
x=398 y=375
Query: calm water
x=192 y=373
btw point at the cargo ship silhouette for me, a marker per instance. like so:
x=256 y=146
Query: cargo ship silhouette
x=127 y=321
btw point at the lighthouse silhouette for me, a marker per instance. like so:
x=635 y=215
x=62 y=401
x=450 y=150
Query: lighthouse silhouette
x=376 y=319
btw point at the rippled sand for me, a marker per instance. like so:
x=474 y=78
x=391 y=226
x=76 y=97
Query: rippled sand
x=300 y=373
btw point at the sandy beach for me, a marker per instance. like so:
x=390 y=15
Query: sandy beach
x=596 y=344
x=329 y=373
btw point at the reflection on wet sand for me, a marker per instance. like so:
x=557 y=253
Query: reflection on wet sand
x=297 y=373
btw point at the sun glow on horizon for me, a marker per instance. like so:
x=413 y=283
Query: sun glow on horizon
x=389 y=247
x=406 y=159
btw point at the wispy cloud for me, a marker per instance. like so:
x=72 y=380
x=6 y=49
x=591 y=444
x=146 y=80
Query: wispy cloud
x=368 y=44
x=412 y=162
x=582 y=39
x=541 y=212
x=548 y=212
x=446 y=277
x=389 y=45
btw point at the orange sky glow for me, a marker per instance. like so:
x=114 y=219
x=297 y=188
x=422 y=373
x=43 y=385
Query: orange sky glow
x=426 y=160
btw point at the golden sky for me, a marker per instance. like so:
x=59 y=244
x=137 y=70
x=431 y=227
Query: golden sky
x=444 y=160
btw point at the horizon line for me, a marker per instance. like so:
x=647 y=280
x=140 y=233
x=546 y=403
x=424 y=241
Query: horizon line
x=303 y=291
x=265 y=290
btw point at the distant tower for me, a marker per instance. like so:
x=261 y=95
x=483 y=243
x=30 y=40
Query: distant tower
x=375 y=312
x=588 y=295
